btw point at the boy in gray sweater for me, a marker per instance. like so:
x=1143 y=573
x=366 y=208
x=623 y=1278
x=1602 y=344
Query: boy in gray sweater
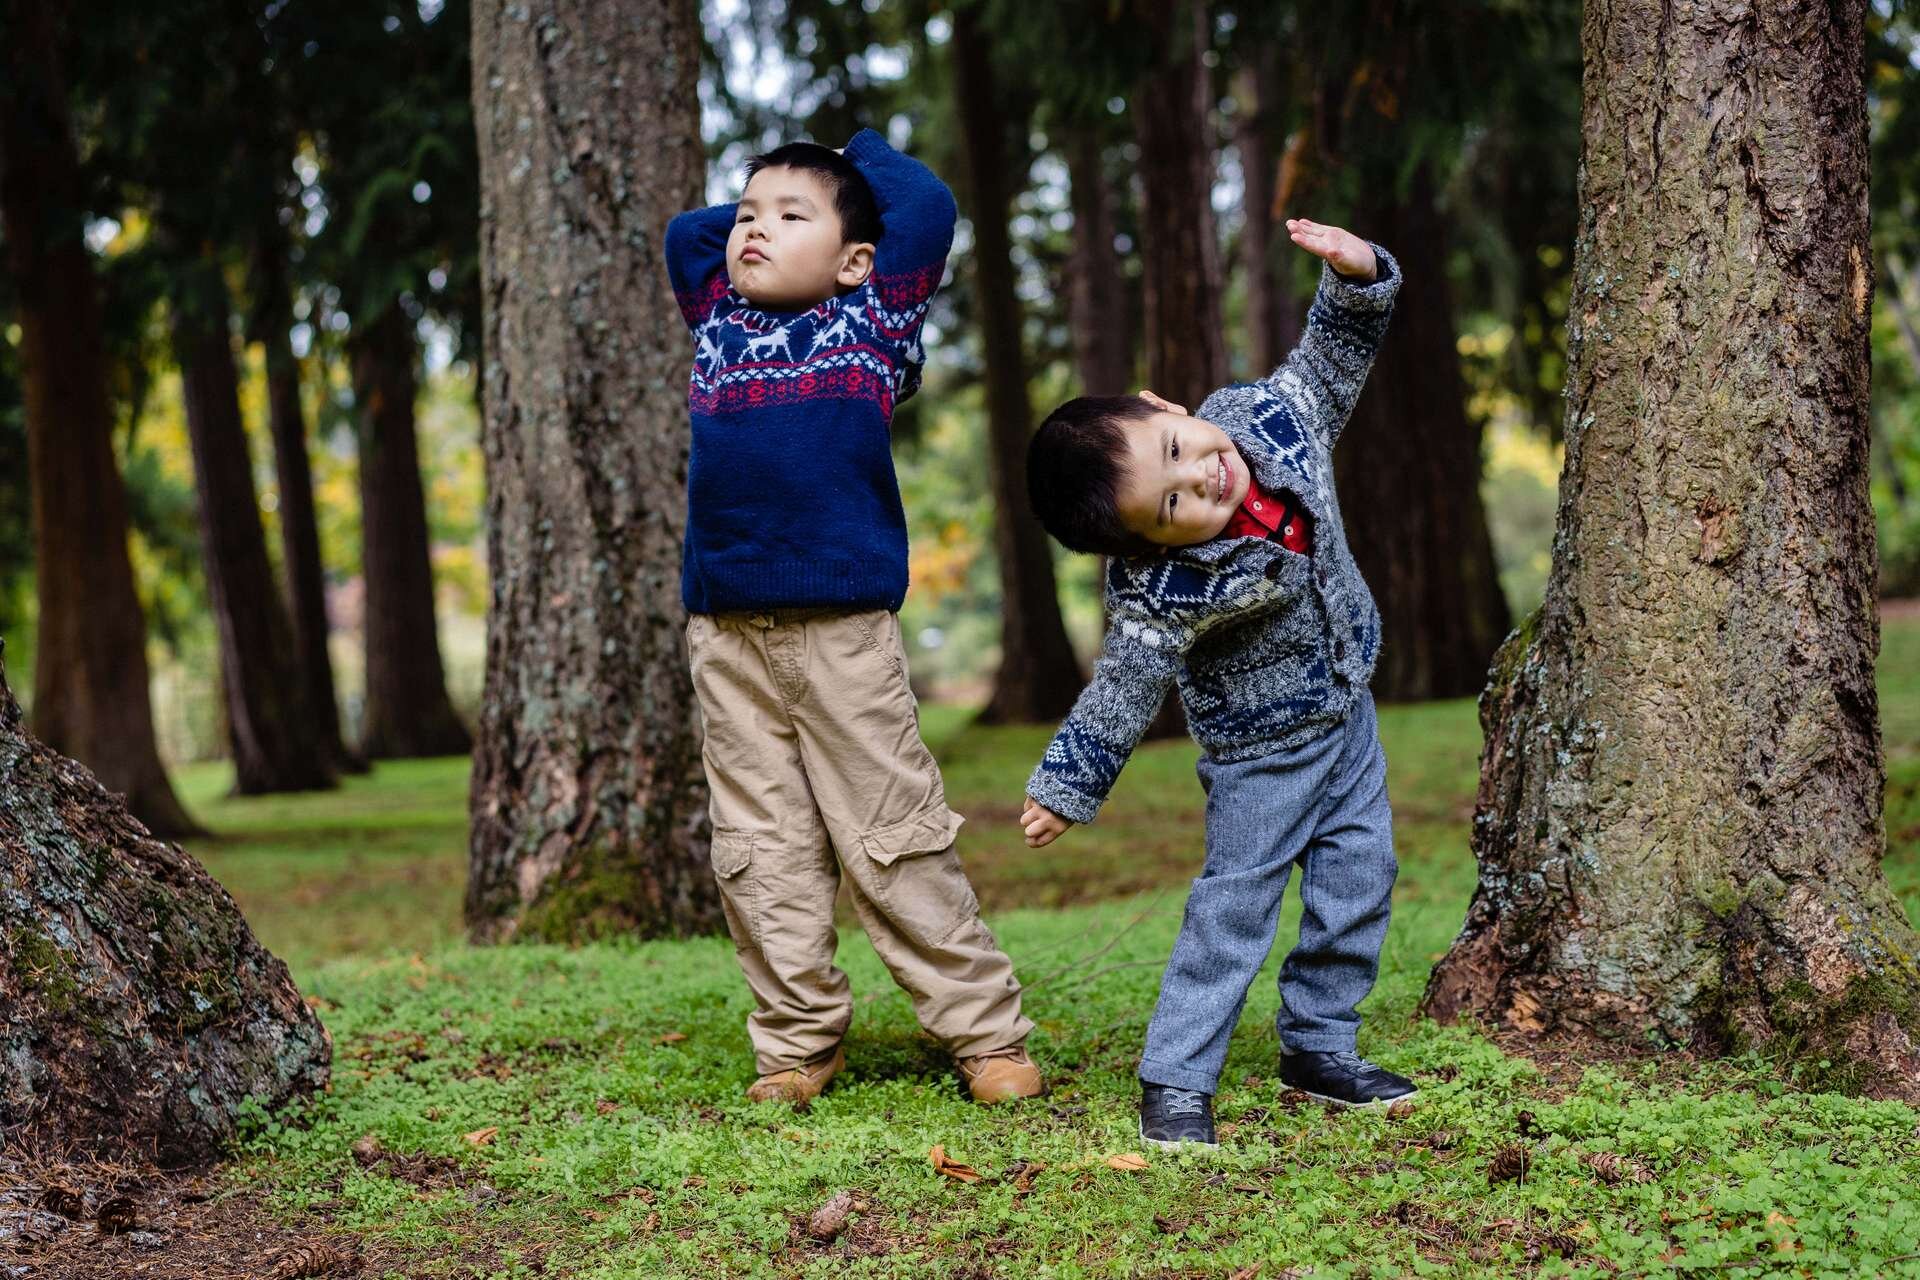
x=1231 y=578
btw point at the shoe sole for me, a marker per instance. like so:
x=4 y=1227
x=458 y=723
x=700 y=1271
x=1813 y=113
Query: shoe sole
x=1167 y=1145
x=1344 y=1105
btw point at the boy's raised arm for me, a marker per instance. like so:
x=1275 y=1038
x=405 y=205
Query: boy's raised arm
x=1322 y=376
x=917 y=213
x=697 y=259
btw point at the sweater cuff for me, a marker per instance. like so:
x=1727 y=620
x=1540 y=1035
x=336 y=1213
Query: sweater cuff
x=1062 y=799
x=1363 y=295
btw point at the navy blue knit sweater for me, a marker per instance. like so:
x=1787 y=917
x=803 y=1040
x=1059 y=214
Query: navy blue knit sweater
x=791 y=496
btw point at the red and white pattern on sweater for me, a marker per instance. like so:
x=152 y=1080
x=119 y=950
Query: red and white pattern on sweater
x=852 y=347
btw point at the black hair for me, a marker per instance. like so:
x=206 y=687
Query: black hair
x=852 y=197
x=1075 y=464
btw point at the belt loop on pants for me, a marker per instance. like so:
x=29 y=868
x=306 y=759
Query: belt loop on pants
x=762 y=620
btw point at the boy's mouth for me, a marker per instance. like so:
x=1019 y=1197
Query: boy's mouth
x=1226 y=480
x=752 y=255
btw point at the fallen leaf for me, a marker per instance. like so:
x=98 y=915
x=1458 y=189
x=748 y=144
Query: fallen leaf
x=606 y=1106
x=367 y=1149
x=1246 y=1273
x=952 y=1168
x=672 y=1037
x=1169 y=1226
x=1127 y=1162
x=1400 y=1109
x=1023 y=1175
x=696 y=1182
x=481 y=1137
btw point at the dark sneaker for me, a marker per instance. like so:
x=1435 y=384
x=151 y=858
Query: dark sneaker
x=1343 y=1079
x=1170 y=1116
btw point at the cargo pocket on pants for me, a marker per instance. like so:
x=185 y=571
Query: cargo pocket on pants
x=918 y=880
x=732 y=862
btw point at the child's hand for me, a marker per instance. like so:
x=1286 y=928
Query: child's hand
x=1043 y=825
x=1344 y=251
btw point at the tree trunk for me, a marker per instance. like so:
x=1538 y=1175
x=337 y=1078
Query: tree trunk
x=1409 y=466
x=299 y=530
x=91 y=697
x=589 y=805
x=137 y=1011
x=1268 y=337
x=1039 y=677
x=1679 y=823
x=1179 y=247
x=1096 y=290
x=275 y=743
x=407 y=710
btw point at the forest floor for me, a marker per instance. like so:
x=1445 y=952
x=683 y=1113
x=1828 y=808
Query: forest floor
x=534 y=1111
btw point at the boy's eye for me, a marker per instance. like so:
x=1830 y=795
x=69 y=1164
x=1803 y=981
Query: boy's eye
x=745 y=217
x=1176 y=451
x=793 y=217
x=1173 y=500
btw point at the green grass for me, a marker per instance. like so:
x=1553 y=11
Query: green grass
x=624 y=1152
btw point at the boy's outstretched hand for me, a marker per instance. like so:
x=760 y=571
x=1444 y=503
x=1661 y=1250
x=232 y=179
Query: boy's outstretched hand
x=1344 y=251
x=1043 y=826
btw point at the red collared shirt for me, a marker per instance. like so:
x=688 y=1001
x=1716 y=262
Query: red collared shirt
x=1268 y=515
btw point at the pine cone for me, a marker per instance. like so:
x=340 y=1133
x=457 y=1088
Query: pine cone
x=116 y=1216
x=314 y=1258
x=1508 y=1163
x=1614 y=1169
x=65 y=1201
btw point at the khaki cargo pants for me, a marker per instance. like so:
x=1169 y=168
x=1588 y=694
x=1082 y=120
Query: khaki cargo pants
x=813 y=750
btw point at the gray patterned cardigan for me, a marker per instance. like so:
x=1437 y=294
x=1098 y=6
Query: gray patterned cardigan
x=1269 y=647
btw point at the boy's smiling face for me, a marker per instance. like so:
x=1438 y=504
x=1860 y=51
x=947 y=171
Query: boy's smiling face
x=1182 y=481
x=787 y=251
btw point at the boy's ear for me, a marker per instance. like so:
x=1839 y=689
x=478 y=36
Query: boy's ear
x=856 y=264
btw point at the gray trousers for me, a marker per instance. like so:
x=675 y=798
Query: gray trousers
x=1324 y=806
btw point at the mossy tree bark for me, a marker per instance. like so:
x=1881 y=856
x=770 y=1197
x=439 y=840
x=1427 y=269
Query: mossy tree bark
x=90 y=685
x=589 y=806
x=1679 y=823
x=137 y=1010
x=1098 y=305
x=1038 y=676
x=408 y=712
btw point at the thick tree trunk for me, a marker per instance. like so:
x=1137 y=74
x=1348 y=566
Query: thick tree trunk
x=407 y=709
x=275 y=744
x=1039 y=677
x=1679 y=826
x=137 y=1011
x=1179 y=247
x=1409 y=468
x=299 y=530
x=1268 y=335
x=589 y=805
x=91 y=698
x=1097 y=303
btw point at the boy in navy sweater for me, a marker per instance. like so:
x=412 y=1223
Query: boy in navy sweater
x=1232 y=580
x=806 y=300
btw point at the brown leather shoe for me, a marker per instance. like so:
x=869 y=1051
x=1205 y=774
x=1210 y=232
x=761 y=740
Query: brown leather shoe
x=1002 y=1075
x=799 y=1085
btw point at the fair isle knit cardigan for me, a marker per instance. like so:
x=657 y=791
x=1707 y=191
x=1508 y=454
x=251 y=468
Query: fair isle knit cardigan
x=792 y=500
x=1269 y=647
